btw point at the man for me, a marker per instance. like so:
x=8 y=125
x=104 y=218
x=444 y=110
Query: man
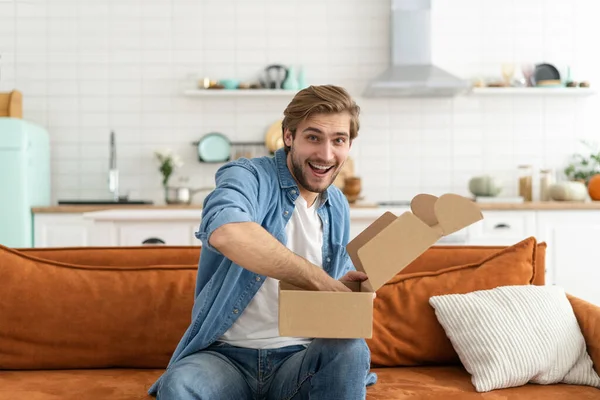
x=270 y=219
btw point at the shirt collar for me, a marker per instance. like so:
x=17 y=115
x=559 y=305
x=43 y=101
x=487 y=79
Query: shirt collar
x=286 y=180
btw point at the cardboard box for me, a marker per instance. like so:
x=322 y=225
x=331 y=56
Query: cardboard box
x=382 y=250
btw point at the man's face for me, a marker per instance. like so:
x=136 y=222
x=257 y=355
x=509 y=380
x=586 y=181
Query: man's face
x=319 y=150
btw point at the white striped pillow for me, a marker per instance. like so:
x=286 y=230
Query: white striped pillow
x=512 y=335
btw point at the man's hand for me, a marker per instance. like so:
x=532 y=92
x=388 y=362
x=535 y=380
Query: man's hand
x=354 y=276
x=324 y=282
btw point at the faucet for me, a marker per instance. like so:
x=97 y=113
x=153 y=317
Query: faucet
x=113 y=172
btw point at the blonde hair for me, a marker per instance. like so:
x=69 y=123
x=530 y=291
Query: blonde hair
x=324 y=99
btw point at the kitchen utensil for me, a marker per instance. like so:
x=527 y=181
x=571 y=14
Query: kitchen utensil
x=275 y=75
x=274 y=137
x=113 y=172
x=545 y=72
x=182 y=194
x=214 y=147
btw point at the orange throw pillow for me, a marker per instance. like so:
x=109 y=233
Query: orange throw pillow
x=405 y=329
x=64 y=316
x=588 y=317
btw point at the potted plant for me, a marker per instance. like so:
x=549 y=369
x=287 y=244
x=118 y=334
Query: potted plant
x=168 y=162
x=583 y=167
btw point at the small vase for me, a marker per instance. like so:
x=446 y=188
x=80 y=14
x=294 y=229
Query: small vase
x=352 y=188
x=290 y=82
x=302 y=79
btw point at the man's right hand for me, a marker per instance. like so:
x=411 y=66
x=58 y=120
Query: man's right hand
x=324 y=282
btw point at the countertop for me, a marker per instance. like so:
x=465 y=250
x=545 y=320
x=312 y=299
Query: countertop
x=355 y=209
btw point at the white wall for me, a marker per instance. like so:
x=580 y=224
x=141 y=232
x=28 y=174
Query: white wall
x=86 y=67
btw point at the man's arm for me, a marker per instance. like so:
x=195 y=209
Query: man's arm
x=229 y=226
x=252 y=247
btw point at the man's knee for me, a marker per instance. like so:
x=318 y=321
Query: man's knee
x=353 y=351
x=176 y=383
x=202 y=376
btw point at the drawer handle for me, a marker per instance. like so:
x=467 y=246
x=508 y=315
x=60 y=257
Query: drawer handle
x=153 y=241
x=501 y=226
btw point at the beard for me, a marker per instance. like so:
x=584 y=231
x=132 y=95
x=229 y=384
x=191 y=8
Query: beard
x=302 y=171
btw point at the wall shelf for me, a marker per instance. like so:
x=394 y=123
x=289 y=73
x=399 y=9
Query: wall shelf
x=536 y=91
x=240 y=93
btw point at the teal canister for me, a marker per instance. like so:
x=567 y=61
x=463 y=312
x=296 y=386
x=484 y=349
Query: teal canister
x=302 y=79
x=290 y=83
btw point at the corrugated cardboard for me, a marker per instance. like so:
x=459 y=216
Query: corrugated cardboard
x=382 y=250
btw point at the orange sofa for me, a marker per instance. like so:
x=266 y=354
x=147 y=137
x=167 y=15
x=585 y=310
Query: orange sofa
x=101 y=323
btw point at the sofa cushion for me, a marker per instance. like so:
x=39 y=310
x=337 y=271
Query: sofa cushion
x=58 y=315
x=94 y=384
x=410 y=383
x=119 y=256
x=511 y=335
x=405 y=328
x=588 y=318
x=454 y=383
x=441 y=257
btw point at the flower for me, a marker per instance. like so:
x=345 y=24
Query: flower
x=168 y=163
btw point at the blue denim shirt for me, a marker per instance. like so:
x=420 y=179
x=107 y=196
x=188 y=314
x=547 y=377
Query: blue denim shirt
x=260 y=190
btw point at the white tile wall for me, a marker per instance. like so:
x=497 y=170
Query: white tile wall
x=88 y=67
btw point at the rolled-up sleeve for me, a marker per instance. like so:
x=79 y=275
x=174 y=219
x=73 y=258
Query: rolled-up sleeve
x=348 y=264
x=235 y=199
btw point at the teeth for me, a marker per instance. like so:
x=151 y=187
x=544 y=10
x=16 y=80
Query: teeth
x=317 y=166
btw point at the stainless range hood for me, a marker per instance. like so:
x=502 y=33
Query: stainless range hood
x=412 y=74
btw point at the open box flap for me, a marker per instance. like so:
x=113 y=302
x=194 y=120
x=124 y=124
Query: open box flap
x=390 y=243
x=394 y=247
x=377 y=226
x=422 y=205
x=456 y=212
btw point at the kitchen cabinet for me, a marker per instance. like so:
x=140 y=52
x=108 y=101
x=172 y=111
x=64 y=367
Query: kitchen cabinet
x=62 y=230
x=145 y=227
x=127 y=233
x=117 y=228
x=571 y=235
x=502 y=228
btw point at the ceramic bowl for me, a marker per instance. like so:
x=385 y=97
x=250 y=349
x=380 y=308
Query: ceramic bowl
x=229 y=83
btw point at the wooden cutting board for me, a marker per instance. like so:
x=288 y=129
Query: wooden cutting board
x=11 y=104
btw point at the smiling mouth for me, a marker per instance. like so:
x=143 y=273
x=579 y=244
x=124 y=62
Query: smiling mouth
x=320 y=169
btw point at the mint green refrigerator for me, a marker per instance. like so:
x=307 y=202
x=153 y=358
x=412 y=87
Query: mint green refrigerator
x=24 y=178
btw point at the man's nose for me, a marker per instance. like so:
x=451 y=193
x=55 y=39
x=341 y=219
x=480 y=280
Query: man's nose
x=326 y=151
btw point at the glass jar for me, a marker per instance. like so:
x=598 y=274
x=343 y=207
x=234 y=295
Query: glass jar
x=546 y=180
x=526 y=182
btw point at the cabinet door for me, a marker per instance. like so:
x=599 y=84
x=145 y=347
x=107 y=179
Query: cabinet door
x=571 y=236
x=155 y=233
x=502 y=228
x=61 y=230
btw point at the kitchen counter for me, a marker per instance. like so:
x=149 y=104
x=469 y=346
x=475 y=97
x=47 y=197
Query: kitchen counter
x=358 y=209
x=76 y=209
x=542 y=205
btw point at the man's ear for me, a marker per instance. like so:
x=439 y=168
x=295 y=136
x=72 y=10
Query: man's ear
x=287 y=137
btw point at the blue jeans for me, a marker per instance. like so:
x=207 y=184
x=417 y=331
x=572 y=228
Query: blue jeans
x=326 y=369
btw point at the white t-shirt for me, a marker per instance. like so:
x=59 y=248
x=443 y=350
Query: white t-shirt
x=257 y=327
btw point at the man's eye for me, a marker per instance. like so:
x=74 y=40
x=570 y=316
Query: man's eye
x=340 y=140
x=312 y=138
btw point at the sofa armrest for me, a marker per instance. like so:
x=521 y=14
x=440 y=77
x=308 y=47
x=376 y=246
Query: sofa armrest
x=588 y=317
